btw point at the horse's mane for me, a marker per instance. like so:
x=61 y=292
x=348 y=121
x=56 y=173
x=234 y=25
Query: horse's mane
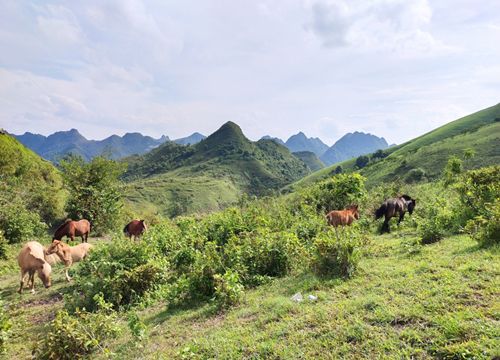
x=406 y=197
x=61 y=227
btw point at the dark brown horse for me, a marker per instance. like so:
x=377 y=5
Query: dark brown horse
x=343 y=217
x=72 y=228
x=392 y=207
x=135 y=228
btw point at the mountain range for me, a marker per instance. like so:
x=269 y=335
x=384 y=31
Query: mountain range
x=56 y=146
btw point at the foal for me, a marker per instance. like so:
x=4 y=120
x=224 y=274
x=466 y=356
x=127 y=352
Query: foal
x=68 y=254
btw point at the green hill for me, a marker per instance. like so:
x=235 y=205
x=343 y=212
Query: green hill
x=310 y=159
x=479 y=131
x=28 y=181
x=174 y=179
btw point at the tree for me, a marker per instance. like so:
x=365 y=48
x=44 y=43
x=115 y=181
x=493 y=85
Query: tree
x=362 y=161
x=452 y=169
x=95 y=191
x=379 y=154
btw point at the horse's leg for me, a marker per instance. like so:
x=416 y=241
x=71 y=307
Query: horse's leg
x=68 y=278
x=86 y=236
x=32 y=279
x=23 y=274
x=401 y=217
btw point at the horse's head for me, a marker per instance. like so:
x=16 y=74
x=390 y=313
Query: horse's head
x=411 y=206
x=44 y=269
x=355 y=211
x=144 y=227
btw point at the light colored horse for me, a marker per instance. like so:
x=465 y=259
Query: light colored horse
x=31 y=259
x=68 y=254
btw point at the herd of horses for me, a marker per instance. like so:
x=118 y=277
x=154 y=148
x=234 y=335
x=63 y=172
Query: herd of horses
x=36 y=258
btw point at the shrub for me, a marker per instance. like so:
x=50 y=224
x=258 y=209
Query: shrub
x=119 y=272
x=478 y=188
x=5 y=325
x=335 y=193
x=485 y=229
x=3 y=247
x=415 y=175
x=94 y=191
x=20 y=225
x=452 y=169
x=336 y=253
x=70 y=337
x=362 y=161
x=228 y=289
x=435 y=219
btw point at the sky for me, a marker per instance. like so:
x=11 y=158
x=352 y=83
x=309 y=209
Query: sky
x=393 y=68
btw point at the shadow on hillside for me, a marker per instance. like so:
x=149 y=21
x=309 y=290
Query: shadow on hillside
x=201 y=310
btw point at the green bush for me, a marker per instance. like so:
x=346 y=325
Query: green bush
x=20 y=225
x=485 y=229
x=3 y=247
x=228 y=289
x=122 y=272
x=5 y=325
x=95 y=191
x=415 y=175
x=335 y=193
x=79 y=335
x=337 y=253
x=479 y=188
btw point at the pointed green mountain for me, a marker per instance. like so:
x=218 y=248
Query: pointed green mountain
x=173 y=179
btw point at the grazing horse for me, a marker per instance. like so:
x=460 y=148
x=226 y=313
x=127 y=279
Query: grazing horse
x=31 y=259
x=135 y=228
x=394 y=206
x=68 y=254
x=343 y=217
x=72 y=228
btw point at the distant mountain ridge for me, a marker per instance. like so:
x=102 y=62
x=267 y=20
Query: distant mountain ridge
x=61 y=143
x=192 y=139
x=353 y=145
x=300 y=142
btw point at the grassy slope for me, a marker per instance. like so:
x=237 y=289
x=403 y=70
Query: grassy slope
x=441 y=302
x=478 y=131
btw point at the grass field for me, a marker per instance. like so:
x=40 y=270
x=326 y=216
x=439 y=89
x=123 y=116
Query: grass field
x=435 y=301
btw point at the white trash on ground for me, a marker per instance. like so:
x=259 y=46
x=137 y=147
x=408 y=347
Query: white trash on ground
x=297 y=297
x=312 y=297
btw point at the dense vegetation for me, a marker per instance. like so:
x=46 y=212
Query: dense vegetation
x=31 y=192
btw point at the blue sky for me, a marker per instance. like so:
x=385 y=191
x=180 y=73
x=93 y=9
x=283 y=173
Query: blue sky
x=390 y=67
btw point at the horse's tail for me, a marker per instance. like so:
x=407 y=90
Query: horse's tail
x=125 y=230
x=381 y=211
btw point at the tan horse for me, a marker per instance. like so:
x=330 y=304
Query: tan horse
x=68 y=254
x=31 y=259
x=343 y=217
x=71 y=228
x=135 y=228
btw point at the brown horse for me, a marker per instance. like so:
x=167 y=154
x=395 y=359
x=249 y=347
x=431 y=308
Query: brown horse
x=72 y=228
x=392 y=207
x=343 y=217
x=135 y=228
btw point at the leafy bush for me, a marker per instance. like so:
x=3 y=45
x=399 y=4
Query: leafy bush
x=478 y=188
x=3 y=247
x=228 y=289
x=337 y=253
x=5 y=325
x=415 y=175
x=485 y=229
x=362 y=161
x=94 y=191
x=335 y=193
x=70 y=337
x=20 y=225
x=121 y=272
